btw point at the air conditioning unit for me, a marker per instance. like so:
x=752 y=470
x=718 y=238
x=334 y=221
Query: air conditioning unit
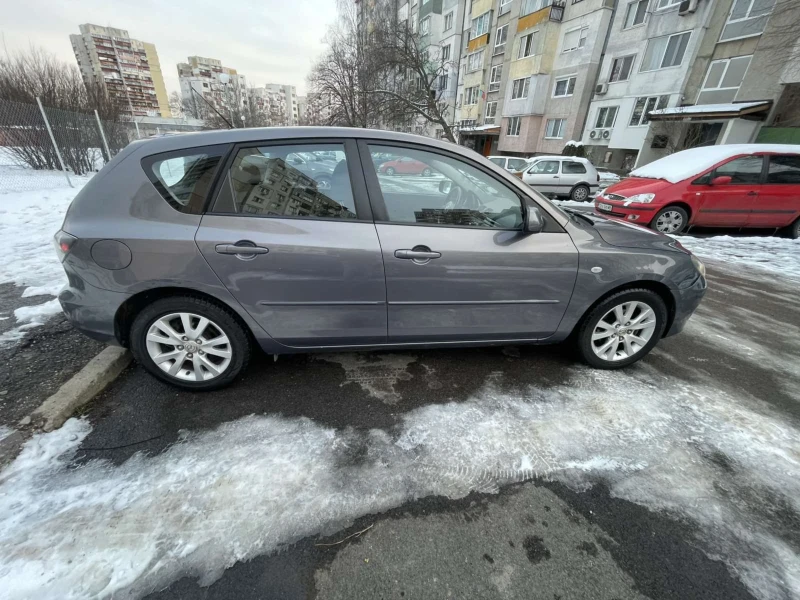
x=687 y=7
x=600 y=89
x=593 y=133
x=606 y=134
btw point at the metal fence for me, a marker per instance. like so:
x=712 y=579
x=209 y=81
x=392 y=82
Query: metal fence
x=42 y=147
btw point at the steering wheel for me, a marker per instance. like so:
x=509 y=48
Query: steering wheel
x=454 y=197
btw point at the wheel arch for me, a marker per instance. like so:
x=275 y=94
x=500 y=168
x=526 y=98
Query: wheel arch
x=679 y=203
x=128 y=310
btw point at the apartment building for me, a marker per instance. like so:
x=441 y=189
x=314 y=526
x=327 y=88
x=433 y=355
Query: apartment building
x=127 y=69
x=206 y=83
x=680 y=74
x=302 y=110
x=318 y=109
x=529 y=72
x=278 y=101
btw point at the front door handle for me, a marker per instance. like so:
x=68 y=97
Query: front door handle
x=752 y=193
x=240 y=249
x=416 y=254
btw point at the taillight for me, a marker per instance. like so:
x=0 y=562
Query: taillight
x=63 y=243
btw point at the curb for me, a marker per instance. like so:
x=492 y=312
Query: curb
x=82 y=387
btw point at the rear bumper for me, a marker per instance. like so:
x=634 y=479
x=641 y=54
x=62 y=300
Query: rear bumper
x=686 y=302
x=90 y=310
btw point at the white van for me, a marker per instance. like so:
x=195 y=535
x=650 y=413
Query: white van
x=567 y=176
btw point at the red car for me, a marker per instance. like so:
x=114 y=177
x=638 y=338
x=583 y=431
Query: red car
x=405 y=166
x=737 y=185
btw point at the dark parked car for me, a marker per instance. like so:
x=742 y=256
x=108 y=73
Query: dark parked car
x=193 y=249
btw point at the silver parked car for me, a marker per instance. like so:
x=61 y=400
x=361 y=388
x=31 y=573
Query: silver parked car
x=194 y=249
x=563 y=176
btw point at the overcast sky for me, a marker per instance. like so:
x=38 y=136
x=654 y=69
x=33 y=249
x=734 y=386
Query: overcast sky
x=269 y=41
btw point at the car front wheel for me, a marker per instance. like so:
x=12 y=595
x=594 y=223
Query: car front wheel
x=427 y=173
x=190 y=343
x=389 y=171
x=622 y=329
x=580 y=193
x=670 y=220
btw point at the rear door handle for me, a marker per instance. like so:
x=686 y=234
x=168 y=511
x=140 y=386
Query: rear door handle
x=752 y=193
x=417 y=254
x=237 y=249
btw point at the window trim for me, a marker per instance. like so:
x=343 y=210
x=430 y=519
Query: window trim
x=425 y=24
x=669 y=36
x=625 y=27
x=499 y=79
x=497 y=38
x=670 y=5
x=480 y=66
x=530 y=36
x=567 y=78
x=564 y=49
x=486 y=111
x=560 y=130
x=727 y=62
x=630 y=71
x=354 y=165
x=508 y=126
x=553 y=223
x=445 y=26
x=606 y=108
x=488 y=16
x=525 y=92
x=644 y=110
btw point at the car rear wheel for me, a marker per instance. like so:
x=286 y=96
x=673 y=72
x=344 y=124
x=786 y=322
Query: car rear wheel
x=427 y=172
x=580 y=193
x=390 y=170
x=622 y=329
x=190 y=343
x=793 y=231
x=670 y=220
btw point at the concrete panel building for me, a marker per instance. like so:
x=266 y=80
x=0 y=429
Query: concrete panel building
x=206 y=83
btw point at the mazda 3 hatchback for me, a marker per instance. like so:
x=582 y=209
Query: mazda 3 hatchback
x=194 y=250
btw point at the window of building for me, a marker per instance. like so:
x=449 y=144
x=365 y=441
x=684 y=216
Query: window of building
x=480 y=26
x=446 y=52
x=184 y=179
x=606 y=116
x=500 y=39
x=425 y=26
x=526 y=45
x=505 y=6
x=784 y=169
x=529 y=6
x=494 y=79
x=747 y=18
x=520 y=88
x=471 y=95
x=665 y=51
x=467 y=123
x=643 y=106
x=573 y=167
x=564 y=87
x=491 y=113
x=662 y=4
x=636 y=13
x=513 y=126
x=500 y=207
x=443 y=81
x=723 y=80
x=474 y=61
x=621 y=68
x=284 y=181
x=575 y=39
x=448 y=21
x=555 y=128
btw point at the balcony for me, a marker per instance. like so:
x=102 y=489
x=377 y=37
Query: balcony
x=557 y=10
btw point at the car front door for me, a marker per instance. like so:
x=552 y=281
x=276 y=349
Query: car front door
x=778 y=203
x=458 y=265
x=302 y=258
x=728 y=204
x=544 y=176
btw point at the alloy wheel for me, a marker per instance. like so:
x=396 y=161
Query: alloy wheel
x=580 y=194
x=669 y=221
x=189 y=347
x=624 y=331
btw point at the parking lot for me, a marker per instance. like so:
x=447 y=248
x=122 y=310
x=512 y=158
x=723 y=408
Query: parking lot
x=508 y=472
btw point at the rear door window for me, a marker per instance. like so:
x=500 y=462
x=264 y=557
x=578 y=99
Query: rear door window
x=784 y=169
x=293 y=180
x=184 y=179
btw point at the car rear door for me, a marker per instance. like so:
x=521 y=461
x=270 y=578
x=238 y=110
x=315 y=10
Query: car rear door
x=458 y=265
x=778 y=203
x=728 y=205
x=302 y=258
x=544 y=176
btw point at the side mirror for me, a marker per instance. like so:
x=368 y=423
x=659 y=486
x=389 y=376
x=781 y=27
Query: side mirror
x=444 y=186
x=721 y=180
x=534 y=220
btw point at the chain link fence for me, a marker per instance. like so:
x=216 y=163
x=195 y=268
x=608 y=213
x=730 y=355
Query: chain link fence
x=42 y=148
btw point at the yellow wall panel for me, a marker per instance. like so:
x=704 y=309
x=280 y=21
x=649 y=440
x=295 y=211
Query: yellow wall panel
x=478 y=42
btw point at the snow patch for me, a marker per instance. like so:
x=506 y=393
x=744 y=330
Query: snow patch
x=725 y=460
x=777 y=255
x=377 y=374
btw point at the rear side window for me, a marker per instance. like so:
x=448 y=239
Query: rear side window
x=298 y=180
x=784 y=169
x=574 y=167
x=500 y=162
x=516 y=163
x=184 y=179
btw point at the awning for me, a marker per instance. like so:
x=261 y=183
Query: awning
x=481 y=130
x=735 y=110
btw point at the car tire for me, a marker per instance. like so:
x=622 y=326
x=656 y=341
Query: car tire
x=793 y=231
x=671 y=220
x=580 y=193
x=389 y=171
x=427 y=172
x=198 y=362
x=323 y=182
x=608 y=345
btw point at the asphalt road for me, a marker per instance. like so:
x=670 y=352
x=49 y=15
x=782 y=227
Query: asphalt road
x=537 y=538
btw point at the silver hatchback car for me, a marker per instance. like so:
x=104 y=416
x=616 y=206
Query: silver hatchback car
x=193 y=249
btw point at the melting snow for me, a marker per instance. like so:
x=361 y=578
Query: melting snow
x=778 y=255
x=725 y=460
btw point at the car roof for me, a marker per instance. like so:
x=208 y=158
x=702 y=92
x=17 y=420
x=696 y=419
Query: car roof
x=559 y=157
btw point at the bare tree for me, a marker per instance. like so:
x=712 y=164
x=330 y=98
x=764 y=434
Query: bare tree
x=236 y=110
x=178 y=105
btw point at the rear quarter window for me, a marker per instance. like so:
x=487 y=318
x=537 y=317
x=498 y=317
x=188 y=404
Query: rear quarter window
x=185 y=178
